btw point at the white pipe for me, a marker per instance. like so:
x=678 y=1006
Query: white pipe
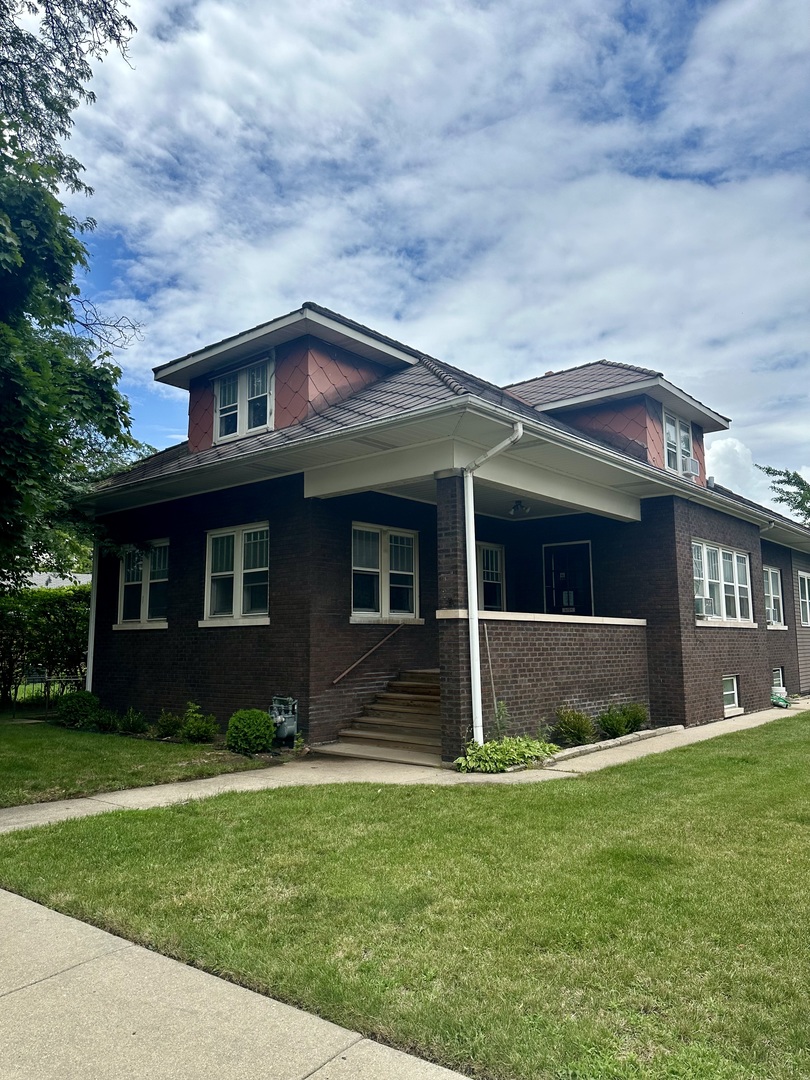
x=91 y=633
x=472 y=577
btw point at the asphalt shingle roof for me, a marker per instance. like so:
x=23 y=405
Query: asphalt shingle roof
x=594 y=378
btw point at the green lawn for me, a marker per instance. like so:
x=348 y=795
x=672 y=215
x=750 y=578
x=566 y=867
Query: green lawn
x=650 y=921
x=40 y=763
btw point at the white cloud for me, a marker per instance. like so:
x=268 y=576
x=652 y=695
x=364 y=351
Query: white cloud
x=513 y=187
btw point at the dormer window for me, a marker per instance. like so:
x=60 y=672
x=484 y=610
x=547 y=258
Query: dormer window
x=244 y=401
x=678 y=445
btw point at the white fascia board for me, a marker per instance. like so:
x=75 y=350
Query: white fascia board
x=390 y=467
x=667 y=393
x=252 y=342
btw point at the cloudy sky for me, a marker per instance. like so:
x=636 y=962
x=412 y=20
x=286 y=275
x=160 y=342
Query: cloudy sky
x=514 y=186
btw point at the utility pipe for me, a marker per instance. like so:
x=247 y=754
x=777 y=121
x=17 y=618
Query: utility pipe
x=472 y=576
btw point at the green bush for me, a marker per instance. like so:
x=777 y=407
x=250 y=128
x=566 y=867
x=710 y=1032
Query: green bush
x=106 y=721
x=168 y=725
x=78 y=709
x=250 y=731
x=621 y=720
x=198 y=728
x=499 y=754
x=133 y=722
x=574 y=728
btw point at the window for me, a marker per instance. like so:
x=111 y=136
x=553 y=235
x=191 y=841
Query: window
x=774 y=614
x=804 y=598
x=491 y=592
x=722 y=583
x=238 y=575
x=244 y=401
x=678 y=446
x=143 y=595
x=384 y=573
x=778 y=678
x=731 y=695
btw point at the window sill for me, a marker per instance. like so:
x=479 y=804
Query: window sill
x=727 y=624
x=223 y=439
x=777 y=626
x=387 y=620
x=155 y=624
x=235 y=620
x=735 y=711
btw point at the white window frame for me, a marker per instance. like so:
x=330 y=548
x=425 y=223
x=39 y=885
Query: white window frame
x=143 y=622
x=774 y=602
x=235 y=617
x=240 y=408
x=499 y=550
x=778 y=678
x=804 y=598
x=731 y=696
x=713 y=585
x=385 y=614
x=675 y=452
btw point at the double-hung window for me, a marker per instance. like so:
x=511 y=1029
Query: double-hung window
x=238 y=575
x=144 y=590
x=804 y=598
x=491 y=591
x=678 y=445
x=244 y=401
x=722 y=582
x=731 y=695
x=774 y=611
x=385 y=573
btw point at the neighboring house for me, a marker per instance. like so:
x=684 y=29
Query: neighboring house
x=46 y=580
x=312 y=539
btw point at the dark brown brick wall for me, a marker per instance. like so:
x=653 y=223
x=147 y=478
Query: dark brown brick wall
x=454 y=640
x=537 y=667
x=782 y=650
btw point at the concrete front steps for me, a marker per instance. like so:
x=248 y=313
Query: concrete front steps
x=402 y=724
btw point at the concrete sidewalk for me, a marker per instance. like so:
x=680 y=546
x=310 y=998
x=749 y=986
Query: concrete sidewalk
x=77 y=1003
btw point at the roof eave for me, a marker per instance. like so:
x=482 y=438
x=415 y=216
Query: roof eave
x=307 y=320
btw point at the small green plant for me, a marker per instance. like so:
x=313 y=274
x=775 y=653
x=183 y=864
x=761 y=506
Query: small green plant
x=499 y=754
x=106 y=721
x=77 y=710
x=500 y=724
x=635 y=715
x=198 y=727
x=133 y=722
x=574 y=728
x=621 y=720
x=250 y=731
x=168 y=725
x=299 y=743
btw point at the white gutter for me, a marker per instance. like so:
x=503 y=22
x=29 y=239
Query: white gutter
x=91 y=633
x=472 y=576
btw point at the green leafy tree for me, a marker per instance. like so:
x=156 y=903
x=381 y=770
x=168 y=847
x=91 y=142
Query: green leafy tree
x=791 y=489
x=64 y=421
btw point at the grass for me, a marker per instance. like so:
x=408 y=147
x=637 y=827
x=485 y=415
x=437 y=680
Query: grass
x=648 y=922
x=40 y=763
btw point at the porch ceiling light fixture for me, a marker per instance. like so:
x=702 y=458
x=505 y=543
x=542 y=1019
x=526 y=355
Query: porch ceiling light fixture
x=518 y=508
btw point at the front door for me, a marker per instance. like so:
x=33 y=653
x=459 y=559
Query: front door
x=567 y=570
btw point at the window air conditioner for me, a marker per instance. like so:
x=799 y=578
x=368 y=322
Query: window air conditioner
x=691 y=466
x=770 y=615
x=704 y=605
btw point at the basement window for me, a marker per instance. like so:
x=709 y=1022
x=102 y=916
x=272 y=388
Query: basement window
x=731 y=695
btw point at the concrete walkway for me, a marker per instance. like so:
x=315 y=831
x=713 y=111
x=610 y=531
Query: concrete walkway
x=77 y=1003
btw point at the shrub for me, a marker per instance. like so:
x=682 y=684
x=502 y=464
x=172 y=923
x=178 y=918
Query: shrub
x=635 y=714
x=499 y=754
x=198 y=728
x=574 y=728
x=168 y=725
x=250 y=731
x=133 y=722
x=77 y=709
x=106 y=721
x=612 y=723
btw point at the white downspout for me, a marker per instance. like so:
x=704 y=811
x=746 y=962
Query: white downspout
x=91 y=633
x=472 y=577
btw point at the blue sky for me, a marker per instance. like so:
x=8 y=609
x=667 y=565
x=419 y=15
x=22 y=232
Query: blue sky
x=514 y=187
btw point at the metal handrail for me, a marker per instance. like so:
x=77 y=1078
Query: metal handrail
x=373 y=648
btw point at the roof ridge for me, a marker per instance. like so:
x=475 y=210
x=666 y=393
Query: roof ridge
x=587 y=364
x=435 y=367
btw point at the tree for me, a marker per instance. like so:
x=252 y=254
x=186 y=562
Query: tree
x=44 y=72
x=791 y=489
x=63 y=419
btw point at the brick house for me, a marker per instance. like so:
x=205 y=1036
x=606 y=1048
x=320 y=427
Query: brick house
x=313 y=535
